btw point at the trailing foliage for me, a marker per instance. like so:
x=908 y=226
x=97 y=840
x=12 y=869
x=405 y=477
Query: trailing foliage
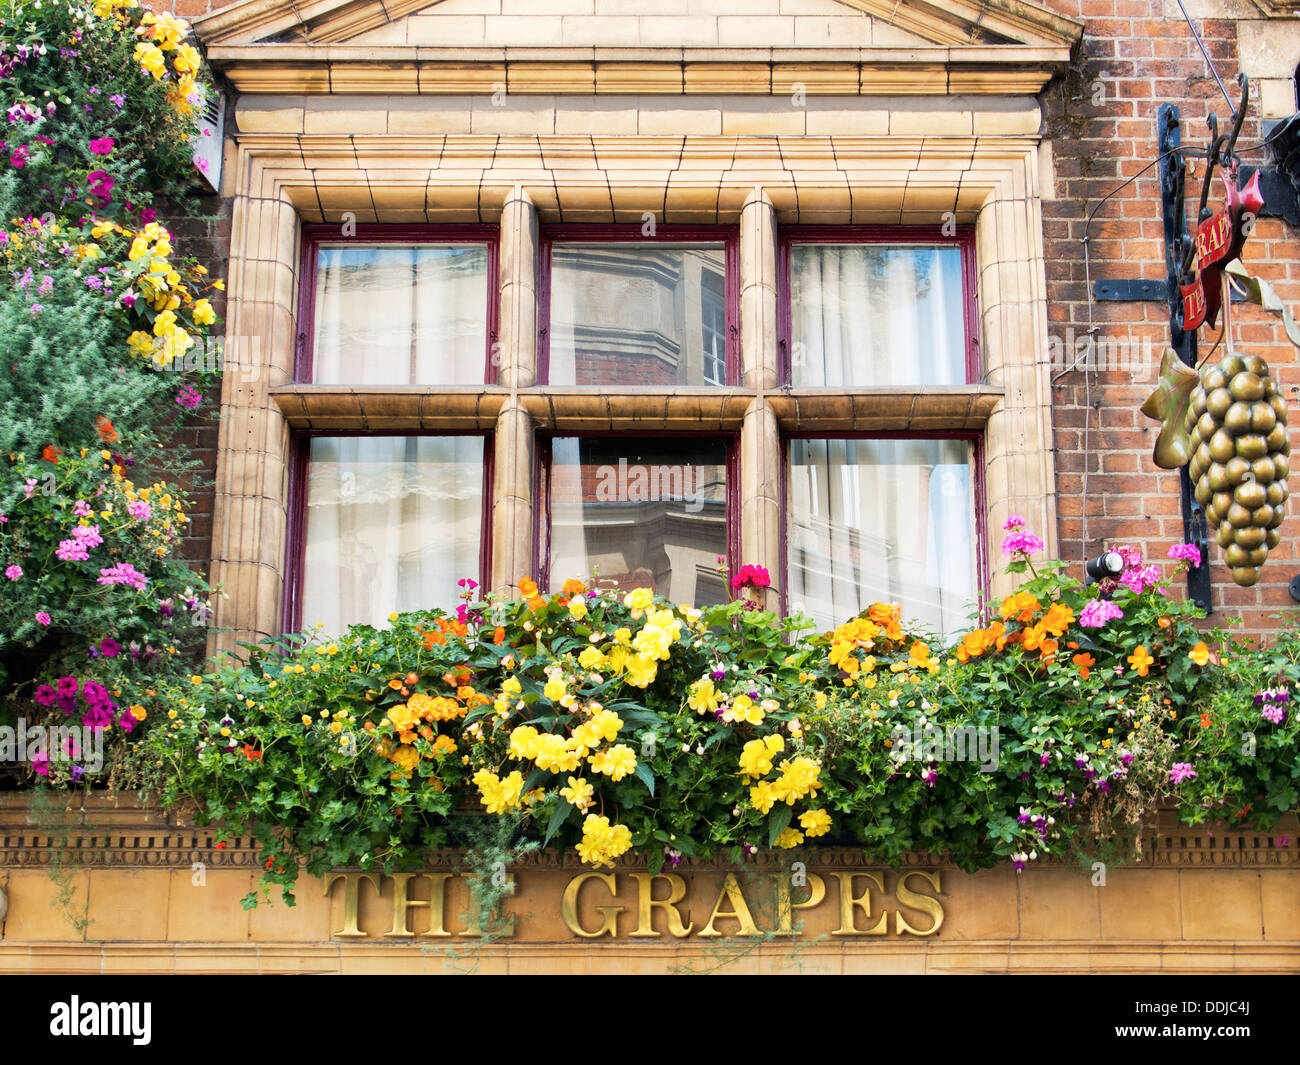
x=610 y=723
x=97 y=310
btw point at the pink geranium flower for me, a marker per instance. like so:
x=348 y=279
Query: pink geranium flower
x=123 y=573
x=103 y=146
x=14 y=572
x=1023 y=542
x=755 y=575
x=1097 y=612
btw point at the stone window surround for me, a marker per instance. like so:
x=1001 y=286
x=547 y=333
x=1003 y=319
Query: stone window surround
x=756 y=183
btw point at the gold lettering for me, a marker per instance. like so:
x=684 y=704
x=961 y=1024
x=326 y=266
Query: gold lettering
x=646 y=903
x=849 y=903
x=925 y=903
x=351 y=899
x=499 y=925
x=402 y=903
x=569 y=907
x=739 y=911
x=785 y=907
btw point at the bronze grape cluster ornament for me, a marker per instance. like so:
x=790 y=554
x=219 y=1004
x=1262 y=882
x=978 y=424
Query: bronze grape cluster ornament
x=1227 y=422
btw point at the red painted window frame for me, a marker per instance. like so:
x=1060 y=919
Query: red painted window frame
x=314 y=234
x=979 y=501
x=542 y=476
x=728 y=236
x=963 y=238
x=299 y=455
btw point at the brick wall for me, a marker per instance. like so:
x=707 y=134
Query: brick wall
x=206 y=236
x=1102 y=123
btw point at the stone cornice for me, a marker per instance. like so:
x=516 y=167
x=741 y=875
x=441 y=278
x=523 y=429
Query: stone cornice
x=944 y=22
x=410 y=69
x=98 y=832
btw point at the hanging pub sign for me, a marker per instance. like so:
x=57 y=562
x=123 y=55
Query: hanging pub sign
x=1227 y=422
x=1219 y=240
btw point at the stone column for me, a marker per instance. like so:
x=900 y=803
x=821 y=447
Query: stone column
x=515 y=435
x=758 y=332
x=1019 y=467
x=250 y=509
x=760 y=495
x=512 y=497
x=516 y=349
x=760 y=439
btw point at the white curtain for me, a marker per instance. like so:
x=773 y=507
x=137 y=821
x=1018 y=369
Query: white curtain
x=392 y=524
x=882 y=520
x=872 y=314
x=390 y=314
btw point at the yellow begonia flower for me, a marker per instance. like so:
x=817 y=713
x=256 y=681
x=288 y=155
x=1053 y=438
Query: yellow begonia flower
x=150 y=57
x=615 y=762
x=641 y=671
x=1200 y=654
x=187 y=60
x=815 y=822
x=579 y=793
x=639 y=600
x=744 y=709
x=603 y=842
x=703 y=697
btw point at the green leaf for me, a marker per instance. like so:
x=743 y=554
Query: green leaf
x=558 y=817
x=646 y=777
x=778 y=821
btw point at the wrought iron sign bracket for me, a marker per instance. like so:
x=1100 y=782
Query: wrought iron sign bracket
x=1178 y=241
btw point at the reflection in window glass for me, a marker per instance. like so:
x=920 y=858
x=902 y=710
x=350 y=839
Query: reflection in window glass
x=876 y=315
x=643 y=513
x=882 y=520
x=392 y=314
x=635 y=314
x=392 y=524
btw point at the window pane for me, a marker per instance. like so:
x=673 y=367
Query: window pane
x=644 y=513
x=875 y=315
x=392 y=314
x=882 y=520
x=637 y=314
x=392 y=524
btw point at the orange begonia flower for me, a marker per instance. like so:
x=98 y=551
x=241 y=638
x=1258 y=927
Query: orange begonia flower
x=105 y=429
x=1085 y=662
x=1141 y=660
x=1200 y=654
